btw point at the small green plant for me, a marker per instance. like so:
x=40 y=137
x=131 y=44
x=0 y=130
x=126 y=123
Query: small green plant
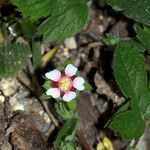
x=63 y=85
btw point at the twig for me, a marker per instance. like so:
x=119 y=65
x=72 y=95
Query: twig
x=51 y=116
x=83 y=140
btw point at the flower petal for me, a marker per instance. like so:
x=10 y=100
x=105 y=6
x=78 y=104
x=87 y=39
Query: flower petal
x=54 y=75
x=78 y=83
x=70 y=95
x=70 y=70
x=54 y=92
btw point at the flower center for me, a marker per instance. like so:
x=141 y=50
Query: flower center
x=65 y=84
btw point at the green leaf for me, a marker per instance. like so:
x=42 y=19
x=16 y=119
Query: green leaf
x=2 y=39
x=67 y=146
x=35 y=9
x=28 y=28
x=129 y=124
x=63 y=66
x=45 y=97
x=144 y=36
x=67 y=130
x=145 y=105
x=139 y=46
x=72 y=104
x=124 y=108
x=139 y=10
x=87 y=86
x=36 y=54
x=47 y=85
x=131 y=76
x=68 y=18
x=63 y=110
x=130 y=72
x=110 y=40
x=13 y=57
x=67 y=62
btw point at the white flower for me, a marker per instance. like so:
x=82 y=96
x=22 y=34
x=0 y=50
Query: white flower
x=65 y=84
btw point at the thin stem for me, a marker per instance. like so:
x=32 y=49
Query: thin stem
x=82 y=139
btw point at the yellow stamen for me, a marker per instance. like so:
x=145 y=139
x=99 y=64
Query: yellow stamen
x=65 y=84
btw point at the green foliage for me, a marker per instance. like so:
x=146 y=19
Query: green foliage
x=131 y=76
x=34 y=9
x=63 y=66
x=145 y=105
x=13 y=57
x=87 y=86
x=36 y=54
x=28 y=28
x=144 y=36
x=123 y=108
x=47 y=85
x=139 y=10
x=45 y=97
x=64 y=18
x=110 y=40
x=130 y=72
x=68 y=18
x=67 y=132
x=1 y=37
x=64 y=110
x=67 y=146
x=129 y=124
x=72 y=105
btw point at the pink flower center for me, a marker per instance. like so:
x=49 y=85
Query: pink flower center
x=65 y=84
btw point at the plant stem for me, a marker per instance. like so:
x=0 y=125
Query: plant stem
x=82 y=139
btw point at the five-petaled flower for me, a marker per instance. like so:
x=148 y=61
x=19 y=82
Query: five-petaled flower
x=65 y=84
